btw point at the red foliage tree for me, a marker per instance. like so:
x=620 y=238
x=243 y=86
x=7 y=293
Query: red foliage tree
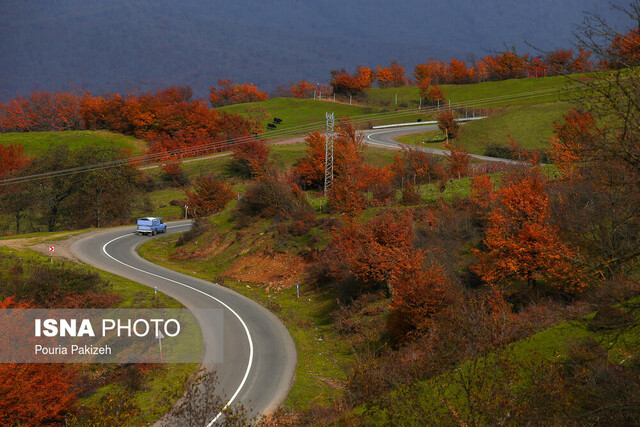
x=459 y=161
x=415 y=166
x=447 y=123
x=309 y=170
x=436 y=95
x=507 y=65
x=624 y=50
x=250 y=158
x=560 y=61
x=350 y=183
x=521 y=243
x=34 y=394
x=419 y=293
x=369 y=251
x=391 y=76
x=302 y=89
x=571 y=138
x=228 y=93
x=209 y=195
x=458 y=72
x=11 y=159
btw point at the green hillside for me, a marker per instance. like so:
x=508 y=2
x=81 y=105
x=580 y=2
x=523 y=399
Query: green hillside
x=300 y=116
x=36 y=143
x=529 y=126
x=485 y=94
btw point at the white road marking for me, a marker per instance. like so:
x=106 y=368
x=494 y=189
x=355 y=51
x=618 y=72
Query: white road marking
x=246 y=329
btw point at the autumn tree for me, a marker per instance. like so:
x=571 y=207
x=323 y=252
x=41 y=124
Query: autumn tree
x=415 y=166
x=352 y=177
x=208 y=195
x=448 y=124
x=345 y=83
x=302 y=89
x=273 y=194
x=350 y=182
x=250 y=158
x=419 y=293
x=435 y=95
x=507 y=65
x=228 y=93
x=12 y=158
x=458 y=72
x=34 y=394
x=368 y=252
x=459 y=161
x=391 y=76
x=309 y=170
x=521 y=243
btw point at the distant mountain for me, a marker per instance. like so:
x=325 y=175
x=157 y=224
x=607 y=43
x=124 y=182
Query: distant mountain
x=121 y=45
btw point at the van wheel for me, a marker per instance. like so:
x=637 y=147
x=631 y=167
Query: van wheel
x=153 y=233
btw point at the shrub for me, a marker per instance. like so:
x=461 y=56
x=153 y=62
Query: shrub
x=210 y=195
x=273 y=195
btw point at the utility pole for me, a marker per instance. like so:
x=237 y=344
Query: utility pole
x=328 y=154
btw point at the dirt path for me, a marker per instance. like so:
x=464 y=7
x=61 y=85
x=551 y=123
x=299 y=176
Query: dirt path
x=41 y=245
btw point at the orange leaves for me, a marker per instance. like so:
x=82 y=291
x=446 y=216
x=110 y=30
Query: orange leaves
x=436 y=95
x=345 y=83
x=229 y=94
x=459 y=161
x=391 y=76
x=418 y=294
x=520 y=242
x=11 y=159
x=447 y=123
x=625 y=50
x=302 y=89
x=34 y=394
x=507 y=65
x=41 y=111
x=209 y=195
x=309 y=170
x=571 y=138
x=250 y=158
x=370 y=251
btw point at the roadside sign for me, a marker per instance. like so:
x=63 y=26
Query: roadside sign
x=51 y=248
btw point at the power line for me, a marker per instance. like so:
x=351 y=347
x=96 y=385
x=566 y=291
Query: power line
x=217 y=146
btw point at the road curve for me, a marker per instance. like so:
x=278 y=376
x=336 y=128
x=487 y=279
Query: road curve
x=259 y=353
x=387 y=138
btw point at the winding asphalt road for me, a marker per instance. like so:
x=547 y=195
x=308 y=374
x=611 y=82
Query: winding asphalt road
x=259 y=353
x=387 y=138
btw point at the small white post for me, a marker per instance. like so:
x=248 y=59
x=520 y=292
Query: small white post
x=186 y=209
x=298 y=290
x=159 y=337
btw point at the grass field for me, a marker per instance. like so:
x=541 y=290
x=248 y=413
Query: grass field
x=300 y=116
x=485 y=94
x=530 y=126
x=36 y=143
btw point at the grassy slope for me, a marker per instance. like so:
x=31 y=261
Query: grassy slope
x=549 y=345
x=530 y=126
x=302 y=115
x=158 y=393
x=35 y=143
x=283 y=157
x=486 y=94
x=322 y=354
